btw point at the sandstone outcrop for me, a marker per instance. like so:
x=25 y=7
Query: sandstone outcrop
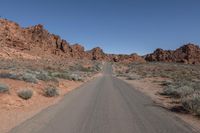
x=37 y=41
x=188 y=54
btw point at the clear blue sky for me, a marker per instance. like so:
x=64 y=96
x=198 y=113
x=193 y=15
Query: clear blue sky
x=117 y=26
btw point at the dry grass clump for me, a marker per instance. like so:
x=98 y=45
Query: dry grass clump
x=192 y=103
x=178 y=92
x=51 y=92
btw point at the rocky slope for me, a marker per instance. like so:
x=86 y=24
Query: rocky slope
x=188 y=54
x=127 y=58
x=37 y=41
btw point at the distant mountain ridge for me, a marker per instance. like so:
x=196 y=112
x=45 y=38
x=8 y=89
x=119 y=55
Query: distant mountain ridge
x=37 y=41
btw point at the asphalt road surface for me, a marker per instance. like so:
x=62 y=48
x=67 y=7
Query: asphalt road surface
x=104 y=105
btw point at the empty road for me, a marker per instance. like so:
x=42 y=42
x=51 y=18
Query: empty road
x=104 y=105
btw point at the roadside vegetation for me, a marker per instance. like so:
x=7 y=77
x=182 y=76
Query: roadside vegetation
x=51 y=91
x=3 y=88
x=25 y=94
x=182 y=82
x=47 y=72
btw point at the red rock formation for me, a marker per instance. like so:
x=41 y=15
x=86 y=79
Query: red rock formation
x=128 y=58
x=36 y=40
x=97 y=54
x=188 y=54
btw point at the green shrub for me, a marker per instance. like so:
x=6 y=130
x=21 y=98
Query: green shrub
x=3 y=88
x=62 y=75
x=85 y=69
x=43 y=76
x=25 y=94
x=76 y=77
x=51 y=92
x=28 y=77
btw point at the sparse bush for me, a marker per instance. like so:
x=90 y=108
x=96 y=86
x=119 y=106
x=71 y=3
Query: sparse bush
x=166 y=82
x=51 y=92
x=3 y=88
x=29 y=78
x=67 y=76
x=121 y=75
x=10 y=76
x=133 y=77
x=192 y=103
x=97 y=67
x=185 y=91
x=177 y=92
x=130 y=78
x=87 y=69
x=25 y=94
x=43 y=76
x=171 y=91
x=76 y=77
x=62 y=75
x=183 y=80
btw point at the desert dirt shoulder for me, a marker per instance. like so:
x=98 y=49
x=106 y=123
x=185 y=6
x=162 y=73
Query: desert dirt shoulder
x=14 y=110
x=152 y=88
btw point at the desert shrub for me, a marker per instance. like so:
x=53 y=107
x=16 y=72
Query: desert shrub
x=77 y=67
x=43 y=76
x=94 y=68
x=185 y=91
x=87 y=69
x=97 y=67
x=170 y=91
x=3 y=88
x=28 y=77
x=62 y=75
x=196 y=86
x=122 y=75
x=166 y=82
x=67 y=76
x=51 y=92
x=130 y=78
x=25 y=94
x=192 y=103
x=10 y=76
x=133 y=77
x=5 y=75
x=178 y=91
x=76 y=77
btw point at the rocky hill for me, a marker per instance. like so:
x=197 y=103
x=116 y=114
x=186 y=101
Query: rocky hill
x=188 y=54
x=37 y=41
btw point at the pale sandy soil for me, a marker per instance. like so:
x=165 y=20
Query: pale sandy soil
x=151 y=87
x=14 y=110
